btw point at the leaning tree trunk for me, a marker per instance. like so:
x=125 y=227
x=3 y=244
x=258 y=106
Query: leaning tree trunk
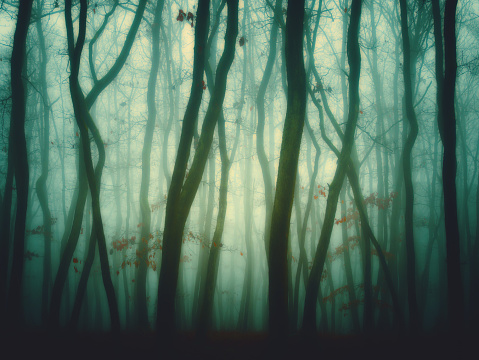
x=181 y=196
x=98 y=87
x=354 y=59
x=85 y=122
x=288 y=164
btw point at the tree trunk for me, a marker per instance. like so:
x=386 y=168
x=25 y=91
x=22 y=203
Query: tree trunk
x=181 y=196
x=41 y=185
x=354 y=59
x=18 y=147
x=142 y=250
x=288 y=164
x=411 y=116
x=262 y=158
x=455 y=292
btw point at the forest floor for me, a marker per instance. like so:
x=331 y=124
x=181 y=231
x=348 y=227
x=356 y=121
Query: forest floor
x=233 y=345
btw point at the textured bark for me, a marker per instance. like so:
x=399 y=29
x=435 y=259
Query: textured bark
x=288 y=163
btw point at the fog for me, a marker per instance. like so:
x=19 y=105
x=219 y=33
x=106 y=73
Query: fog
x=239 y=167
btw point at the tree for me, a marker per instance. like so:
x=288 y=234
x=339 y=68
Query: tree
x=288 y=163
x=18 y=169
x=354 y=60
x=142 y=255
x=411 y=116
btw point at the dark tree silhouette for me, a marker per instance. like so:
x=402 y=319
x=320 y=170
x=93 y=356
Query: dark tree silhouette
x=288 y=164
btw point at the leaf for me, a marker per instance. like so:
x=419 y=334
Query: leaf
x=75 y=260
x=241 y=253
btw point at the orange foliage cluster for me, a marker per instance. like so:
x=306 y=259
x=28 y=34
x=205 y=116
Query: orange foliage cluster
x=155 y=206
x=336 y=292
x=350 y=304
x=182 y=15
x=352 y=216
x=119 y=245
x=382 y=204
x=321 y=190
x=386 y=254
x=353 y=241
x=324 y=275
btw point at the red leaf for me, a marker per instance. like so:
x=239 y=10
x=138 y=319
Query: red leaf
x=117 y=272
x=75 y=260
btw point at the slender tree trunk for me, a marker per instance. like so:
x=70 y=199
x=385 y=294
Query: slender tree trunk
x=354 y=59
x=455 y=291
x=262 y=158
x=142 y=251
x=288 y=163
x=18 y=147
x=181 y=196
x=413 y=130
x=41 y=185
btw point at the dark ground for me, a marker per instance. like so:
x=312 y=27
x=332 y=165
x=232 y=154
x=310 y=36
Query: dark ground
x=230 y=345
